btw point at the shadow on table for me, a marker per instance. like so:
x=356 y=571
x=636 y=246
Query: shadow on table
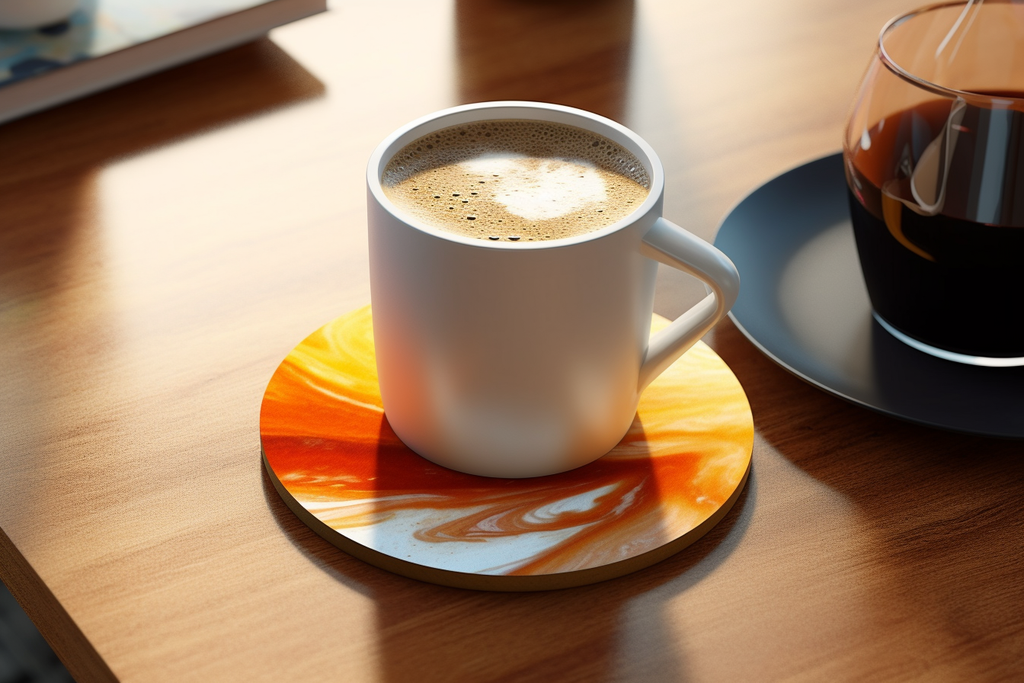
x=50 y=157
x=238 y=83
x=941 y=511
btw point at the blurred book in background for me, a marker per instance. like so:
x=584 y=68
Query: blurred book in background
x=108 y=42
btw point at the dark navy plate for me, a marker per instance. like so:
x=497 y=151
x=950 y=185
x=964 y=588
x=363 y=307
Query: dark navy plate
x=803 y=303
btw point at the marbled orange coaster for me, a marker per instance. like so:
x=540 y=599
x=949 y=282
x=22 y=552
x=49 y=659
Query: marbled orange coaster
x=336 y=463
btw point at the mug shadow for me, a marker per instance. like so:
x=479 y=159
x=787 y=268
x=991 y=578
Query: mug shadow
x=941 y=509
x=572 y=632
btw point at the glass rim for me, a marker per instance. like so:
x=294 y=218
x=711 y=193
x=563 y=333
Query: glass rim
x=913 y=79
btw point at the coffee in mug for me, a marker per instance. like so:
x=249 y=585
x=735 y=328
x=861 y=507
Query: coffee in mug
x=516 y=180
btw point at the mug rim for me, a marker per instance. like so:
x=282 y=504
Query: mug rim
x=555 y=113
x=891 y=64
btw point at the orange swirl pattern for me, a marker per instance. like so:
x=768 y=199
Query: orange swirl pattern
x=326 y=440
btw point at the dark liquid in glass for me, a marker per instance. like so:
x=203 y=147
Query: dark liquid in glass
x=955 y=279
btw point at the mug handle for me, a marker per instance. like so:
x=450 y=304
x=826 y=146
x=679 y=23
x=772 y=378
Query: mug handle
x=667 y=243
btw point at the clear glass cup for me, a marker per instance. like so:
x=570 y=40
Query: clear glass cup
x=934 y=158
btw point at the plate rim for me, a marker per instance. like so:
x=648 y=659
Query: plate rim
x=817 y=383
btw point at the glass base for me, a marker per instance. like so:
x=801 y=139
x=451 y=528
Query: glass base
x=983 y=361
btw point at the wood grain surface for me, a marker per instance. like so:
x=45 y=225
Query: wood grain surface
x=163 y=245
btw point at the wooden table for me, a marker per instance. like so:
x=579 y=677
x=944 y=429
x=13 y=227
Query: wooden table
x=165 y=244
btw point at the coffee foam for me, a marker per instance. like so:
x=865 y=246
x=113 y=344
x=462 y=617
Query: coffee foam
x=516 y=180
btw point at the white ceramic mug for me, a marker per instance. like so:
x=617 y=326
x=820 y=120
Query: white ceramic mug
x=512 y=359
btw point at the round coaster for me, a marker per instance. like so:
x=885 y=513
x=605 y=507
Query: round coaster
x=337 y=464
